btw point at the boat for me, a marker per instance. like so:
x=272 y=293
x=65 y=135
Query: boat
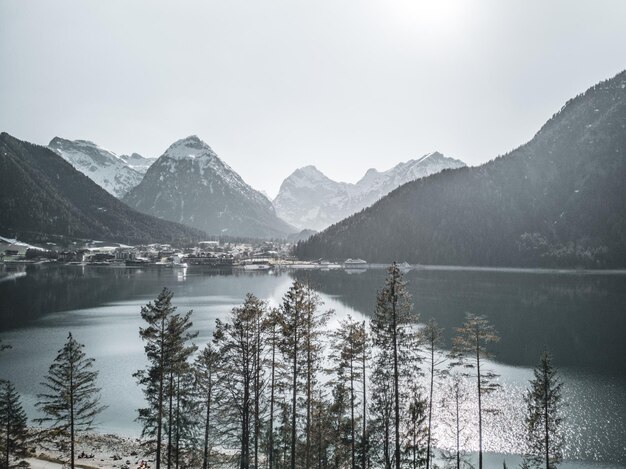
x=355 y=264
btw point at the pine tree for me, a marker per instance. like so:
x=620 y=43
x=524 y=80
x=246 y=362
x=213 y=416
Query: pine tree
x=238 y=345
x=71 y=401
x=396 y=346
x=431 y=338
x=417 y=431
x=301 y=328
x=165 y=344
x=13 y=421
x=469 y=350
x=348 y=355
x=544 y=401
x=206 y=382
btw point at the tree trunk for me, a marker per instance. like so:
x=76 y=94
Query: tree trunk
x=480 y=413
x=364 y=436
x=205 y=464
x=294 y=391
x=271 y=437
x=352 y=411
x=396 y=388
x=430 y=401
x=160 y=400
x=71 y=410
x=169 y=421
x=458 y=430
x=545 y=416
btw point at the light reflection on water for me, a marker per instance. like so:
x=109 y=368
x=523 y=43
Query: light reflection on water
x=101 y=308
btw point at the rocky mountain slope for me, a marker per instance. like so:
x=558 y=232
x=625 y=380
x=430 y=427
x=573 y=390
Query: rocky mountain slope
x=558 y=200
x=111 y=172
x=190 y=184
x=309 y=199
x=41 y=194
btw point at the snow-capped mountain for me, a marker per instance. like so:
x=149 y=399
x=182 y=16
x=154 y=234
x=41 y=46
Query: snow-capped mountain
x=190 y=184
x=137 y=162
x=104 y=167
x=309 y=199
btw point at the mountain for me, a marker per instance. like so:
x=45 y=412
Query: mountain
x=558 y=200
x=309 y=199
x=104 y=167
x=41 y=194
x=190 y=184
x=137 y=162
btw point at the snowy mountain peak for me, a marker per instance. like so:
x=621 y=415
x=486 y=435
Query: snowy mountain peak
x=190 y=147
x=190 y=184
x=309 y=199
x=102 y=166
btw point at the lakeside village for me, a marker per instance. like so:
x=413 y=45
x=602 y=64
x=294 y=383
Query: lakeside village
x=258 y=255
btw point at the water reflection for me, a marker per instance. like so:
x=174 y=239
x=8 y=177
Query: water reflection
x=579 y=317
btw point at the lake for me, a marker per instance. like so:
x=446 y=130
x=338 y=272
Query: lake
x=579 y=317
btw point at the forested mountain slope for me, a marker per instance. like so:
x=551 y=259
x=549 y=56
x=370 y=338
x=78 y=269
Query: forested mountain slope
x=559 y=200
x=42 y=194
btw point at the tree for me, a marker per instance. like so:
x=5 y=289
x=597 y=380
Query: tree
x=71 y=401
x=417 y=431
x=13 y=429
x=453 y=401
x=543 y=419
x=431 y=338
x=301 y=329
x=349 y=356
x=396 y=345
x=206 y=384
x=469 y=350
x=238 y=344
x=165 y=338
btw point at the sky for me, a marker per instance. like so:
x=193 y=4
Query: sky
x=274 y=85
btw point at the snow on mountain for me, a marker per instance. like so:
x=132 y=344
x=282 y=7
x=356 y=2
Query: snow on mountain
x=309 y=199
x=102 y=166
x=137 y=162
x=190 y=184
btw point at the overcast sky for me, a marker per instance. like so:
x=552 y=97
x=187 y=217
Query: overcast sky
x=275 y=85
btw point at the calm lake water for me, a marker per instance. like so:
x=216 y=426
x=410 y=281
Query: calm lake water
x=580 y=318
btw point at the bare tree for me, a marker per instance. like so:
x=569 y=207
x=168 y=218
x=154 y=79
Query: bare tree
x=470 y=350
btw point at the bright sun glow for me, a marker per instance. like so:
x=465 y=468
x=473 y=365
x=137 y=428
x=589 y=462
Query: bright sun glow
x=433 y=18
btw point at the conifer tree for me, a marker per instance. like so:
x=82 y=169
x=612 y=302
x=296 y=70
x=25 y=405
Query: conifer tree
x=470 y=351
x=396 y=348
x=71 y=400
x=13 y=423
x=165 y=344
x=238 y=346
x=431 y=339
x=348 y=354
x=301 y=327
x=416 y=429
x=544 y=402
x=205 y=369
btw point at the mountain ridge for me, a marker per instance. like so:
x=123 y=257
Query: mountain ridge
x=104 y=167
x=41 y=194
x=309 y=199
x=557 y=200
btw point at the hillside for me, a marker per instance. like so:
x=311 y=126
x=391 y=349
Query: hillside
x=190 y=184
x=559 y=200
x=42 y=194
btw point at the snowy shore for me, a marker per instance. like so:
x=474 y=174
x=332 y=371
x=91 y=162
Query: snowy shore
x=104 y=452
